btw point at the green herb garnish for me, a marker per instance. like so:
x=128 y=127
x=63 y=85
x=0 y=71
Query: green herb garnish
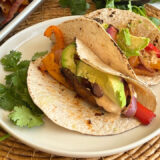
x=15 y=92
x=23 y=117
x=78 y=7
x=38 y=55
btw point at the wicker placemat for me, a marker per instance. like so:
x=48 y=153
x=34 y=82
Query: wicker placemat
x=13 y=149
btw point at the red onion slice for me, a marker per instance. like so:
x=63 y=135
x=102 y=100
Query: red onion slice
x=112 y=31
x=131 y=109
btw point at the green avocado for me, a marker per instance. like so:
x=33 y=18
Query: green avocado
x=131 y=45
x=67 y=59
x=111 y=85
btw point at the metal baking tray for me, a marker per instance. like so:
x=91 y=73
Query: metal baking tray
x=19 y=18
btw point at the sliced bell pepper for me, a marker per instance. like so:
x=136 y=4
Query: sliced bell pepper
x=49 y=63
x=134 y=61
x=59 y=45
x=53 y=69
x=144 y=115
x=151 y=47
x=156 y=65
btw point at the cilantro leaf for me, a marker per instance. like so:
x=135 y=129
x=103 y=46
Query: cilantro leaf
x=10 y=61
x=109 y=4
x=2 y=88
x=7 y=100
x=38 y=55
x=23 y=117
x=23 y=64
x=78 y=7
x=64 y=3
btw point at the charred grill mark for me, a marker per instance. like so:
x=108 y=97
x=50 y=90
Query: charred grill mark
x=98 y=26
x=76 y=58
x=89 y=121
x=98 y=20
x=114 y=43
x=111 y=15
x=39 y=68
x=155 y=41
x=74 y=39
x=129 y=67
x=76 y=96
x=99 y=114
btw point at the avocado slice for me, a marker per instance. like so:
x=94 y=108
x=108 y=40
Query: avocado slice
x=131 y=45
x=111 y=85
x=67 y=59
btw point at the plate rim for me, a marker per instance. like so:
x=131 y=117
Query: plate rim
x=81 y=154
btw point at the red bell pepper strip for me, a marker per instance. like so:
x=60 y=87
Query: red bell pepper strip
x=151 y=47
x=143 y=114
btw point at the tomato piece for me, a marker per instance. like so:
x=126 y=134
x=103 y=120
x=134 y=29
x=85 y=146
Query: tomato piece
x=151 y=47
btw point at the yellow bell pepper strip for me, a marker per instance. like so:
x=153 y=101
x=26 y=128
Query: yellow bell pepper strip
x=49 y=62
x=134 y=61
x=155 y=65
x=53 y=69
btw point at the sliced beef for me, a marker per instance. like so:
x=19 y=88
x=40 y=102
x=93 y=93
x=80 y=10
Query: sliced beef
x=80 y=89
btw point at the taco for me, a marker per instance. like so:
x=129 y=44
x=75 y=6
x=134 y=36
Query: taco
x=77 y=91
x=137 y=37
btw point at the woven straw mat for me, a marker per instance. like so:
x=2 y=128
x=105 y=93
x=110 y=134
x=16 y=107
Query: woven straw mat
x=13 y=149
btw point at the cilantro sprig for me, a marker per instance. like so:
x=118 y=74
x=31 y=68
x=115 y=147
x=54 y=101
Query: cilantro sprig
x=14 y=95
x=78 y=7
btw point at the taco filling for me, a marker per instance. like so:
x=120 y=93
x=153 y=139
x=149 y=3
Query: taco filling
x=114 y=94
x=143 y=56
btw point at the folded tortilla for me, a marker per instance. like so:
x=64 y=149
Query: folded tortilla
x=64 y=108
x=143 y=27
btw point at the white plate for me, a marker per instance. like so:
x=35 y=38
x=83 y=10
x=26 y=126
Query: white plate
x=156 y=5
x=54 y=139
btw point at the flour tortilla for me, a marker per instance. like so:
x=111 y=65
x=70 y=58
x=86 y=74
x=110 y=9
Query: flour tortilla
x=96 y=38
x=142 y=27
x=62 y=107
